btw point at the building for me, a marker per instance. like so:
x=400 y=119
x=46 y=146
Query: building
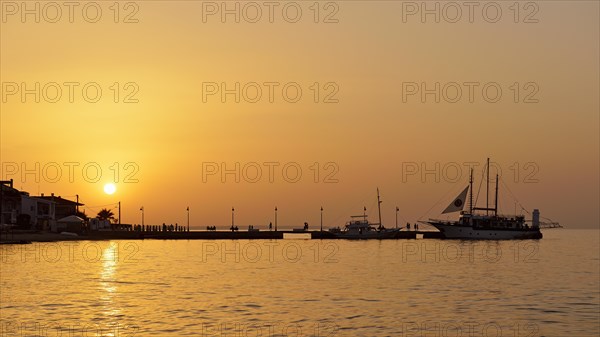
x=20 y=210
x=64 y=207
x=36 y=213
x=10 y=201
x=72 y=223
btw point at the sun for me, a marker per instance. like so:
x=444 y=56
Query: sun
x=110 y=188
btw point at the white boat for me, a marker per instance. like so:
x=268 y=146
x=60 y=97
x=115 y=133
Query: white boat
x=488 y=225
x=359 y=228
x=487 y=228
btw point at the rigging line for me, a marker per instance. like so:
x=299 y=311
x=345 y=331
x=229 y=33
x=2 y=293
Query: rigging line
x=333 y=222
x=372 y=208
x=508 y=189
x=401 y=219
x=350 y=210
x=437 y=202
x=514 y=197
x=510 y=192
x=479 y=189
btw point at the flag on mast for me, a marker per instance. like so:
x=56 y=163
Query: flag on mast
x=457 y=204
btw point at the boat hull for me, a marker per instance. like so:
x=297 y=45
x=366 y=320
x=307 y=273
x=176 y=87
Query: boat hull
x=451 y=231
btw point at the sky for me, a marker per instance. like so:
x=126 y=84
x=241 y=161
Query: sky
x=301 y=106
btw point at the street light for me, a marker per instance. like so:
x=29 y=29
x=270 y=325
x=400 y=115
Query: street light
x=397 y=209
x=188 y=218
x=276 y=218
x=142 y=209
x=232 y=216
x=321 y=218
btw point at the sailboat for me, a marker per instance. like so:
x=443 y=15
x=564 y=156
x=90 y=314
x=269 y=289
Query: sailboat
x=488 y=225
x=359 y=228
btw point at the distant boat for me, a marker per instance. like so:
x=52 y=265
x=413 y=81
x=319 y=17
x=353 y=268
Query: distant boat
x=359 y=228
x=488 y=225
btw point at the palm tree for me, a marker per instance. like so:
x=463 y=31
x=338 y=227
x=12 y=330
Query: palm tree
x=106 y=214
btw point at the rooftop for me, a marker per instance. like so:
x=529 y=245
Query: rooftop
x=59 y=200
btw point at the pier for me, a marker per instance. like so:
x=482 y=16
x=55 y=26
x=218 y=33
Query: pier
x=33 y=236
x=245 y=235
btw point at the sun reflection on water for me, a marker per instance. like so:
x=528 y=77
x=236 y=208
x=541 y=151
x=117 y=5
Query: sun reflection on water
x=108 y=279
x=109 y=268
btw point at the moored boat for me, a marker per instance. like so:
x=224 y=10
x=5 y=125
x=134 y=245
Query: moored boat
x=487 y=224
x=359 y=227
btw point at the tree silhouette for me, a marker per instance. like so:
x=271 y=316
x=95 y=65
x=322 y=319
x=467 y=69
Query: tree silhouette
x=106 y=214
x=81 y=214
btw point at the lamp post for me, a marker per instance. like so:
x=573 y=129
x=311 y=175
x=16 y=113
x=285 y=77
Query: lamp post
x=276 y=218
x=188 y=218
x=1 y=197
x=397 y=209
x=321 y=218
x=142 y=209
x=232 y=216
x=119 y=213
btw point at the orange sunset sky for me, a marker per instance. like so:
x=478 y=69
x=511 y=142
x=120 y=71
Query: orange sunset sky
x=542 y=132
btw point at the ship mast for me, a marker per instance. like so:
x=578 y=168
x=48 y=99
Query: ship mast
x=379 y=206
x=487 y=207
x=487 y=187
x=496 y=204
x=471 y=192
